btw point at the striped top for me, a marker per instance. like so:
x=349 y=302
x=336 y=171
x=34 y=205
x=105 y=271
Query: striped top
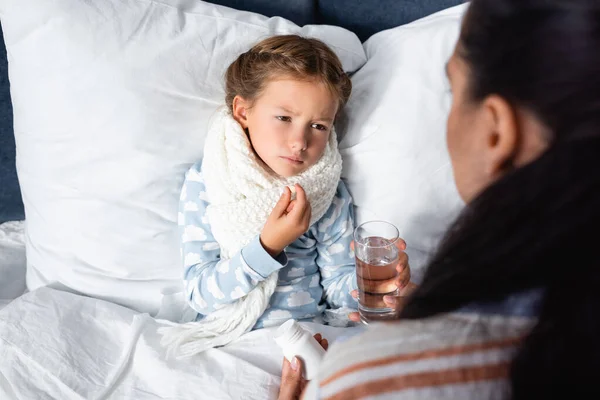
x=451 y=356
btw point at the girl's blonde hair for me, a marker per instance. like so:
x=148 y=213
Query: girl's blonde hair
x=285 y=55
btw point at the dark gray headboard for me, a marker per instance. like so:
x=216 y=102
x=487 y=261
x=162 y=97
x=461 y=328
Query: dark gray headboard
x=11 y=205
x=364 y=17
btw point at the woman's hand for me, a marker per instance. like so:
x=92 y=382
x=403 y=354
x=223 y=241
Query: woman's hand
x=292 y=381
x=402 y=283
x=396 y=302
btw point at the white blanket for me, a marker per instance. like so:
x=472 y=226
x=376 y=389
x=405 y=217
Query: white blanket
x=59 y=345
x=12 y=261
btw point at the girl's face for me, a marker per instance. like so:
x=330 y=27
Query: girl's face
x=289 y=123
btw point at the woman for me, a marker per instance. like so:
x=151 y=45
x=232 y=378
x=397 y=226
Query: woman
x=509 y=306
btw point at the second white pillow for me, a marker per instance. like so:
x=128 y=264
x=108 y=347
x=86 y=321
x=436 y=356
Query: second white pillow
x=395 y=157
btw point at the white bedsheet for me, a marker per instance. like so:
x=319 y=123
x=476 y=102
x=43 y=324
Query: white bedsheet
x=12 y=261
x=59 y=345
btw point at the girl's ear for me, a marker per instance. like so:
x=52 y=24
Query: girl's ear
x=240 y=109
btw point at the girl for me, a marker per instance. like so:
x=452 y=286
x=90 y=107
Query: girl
x=266 y=221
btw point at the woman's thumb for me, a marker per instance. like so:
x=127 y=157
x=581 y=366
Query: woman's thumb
x=292 y=382
x=296 y=365
x=295 y=374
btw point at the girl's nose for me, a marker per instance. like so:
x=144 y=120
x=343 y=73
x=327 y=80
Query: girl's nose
x=298 y=141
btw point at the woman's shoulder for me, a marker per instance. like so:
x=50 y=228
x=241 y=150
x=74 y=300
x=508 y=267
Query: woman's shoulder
x=444 y=330
x=424 y=356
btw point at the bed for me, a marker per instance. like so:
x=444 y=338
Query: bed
x=79 y=319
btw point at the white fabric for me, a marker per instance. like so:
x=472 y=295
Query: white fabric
x=111 y=103
x=12 y=261
x=73 y=347
x=396 y=163
x=242 y=193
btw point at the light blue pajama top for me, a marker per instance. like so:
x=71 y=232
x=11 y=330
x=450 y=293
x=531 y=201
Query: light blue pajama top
x=316 y=272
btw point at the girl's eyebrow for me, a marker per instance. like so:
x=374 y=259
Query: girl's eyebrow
x=325 y=119
x=287 y=110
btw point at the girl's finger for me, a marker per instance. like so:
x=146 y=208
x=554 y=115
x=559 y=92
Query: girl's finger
x=283 y=202
x=300 y=196
x=300 y=205
x=325 y=344
x=300 y=193
x=307 y=215
x=354 y=294
x=303 y=216
x=290 y=206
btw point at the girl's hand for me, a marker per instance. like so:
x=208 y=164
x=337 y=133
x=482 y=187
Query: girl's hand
x=289 y=220
x=292 y=382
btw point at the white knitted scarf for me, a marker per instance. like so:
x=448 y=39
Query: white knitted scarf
x=242 y=192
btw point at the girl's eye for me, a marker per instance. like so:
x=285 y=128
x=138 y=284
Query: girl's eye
x=284 y=118
x=319 y=127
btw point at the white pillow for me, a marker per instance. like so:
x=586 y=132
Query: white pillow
x=111 y=104
x=395 y=158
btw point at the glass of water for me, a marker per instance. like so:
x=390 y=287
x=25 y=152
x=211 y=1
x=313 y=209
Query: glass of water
x=377 y=257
